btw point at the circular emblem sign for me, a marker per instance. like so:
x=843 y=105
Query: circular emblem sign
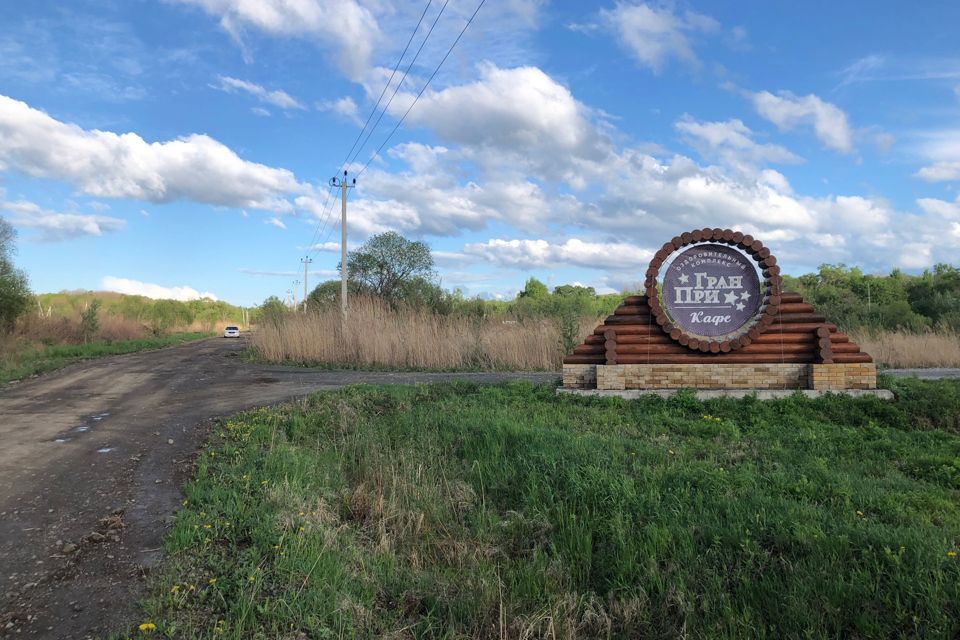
x=711 y=291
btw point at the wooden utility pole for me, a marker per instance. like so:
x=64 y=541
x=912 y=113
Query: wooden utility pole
x=342 y=183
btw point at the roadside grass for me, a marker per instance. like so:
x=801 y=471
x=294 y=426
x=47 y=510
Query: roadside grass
x=18 y=360
x=465 y=511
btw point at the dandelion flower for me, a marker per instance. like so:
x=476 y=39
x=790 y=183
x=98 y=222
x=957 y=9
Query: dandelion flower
x=860 y=513
x=212 y=581
x=670 y=451
x=208 y=526
x=175 y=588
x=147 y=627
x=951 y=554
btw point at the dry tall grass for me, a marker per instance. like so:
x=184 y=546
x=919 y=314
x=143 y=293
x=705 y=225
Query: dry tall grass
x=374 y=334
x=911 y=350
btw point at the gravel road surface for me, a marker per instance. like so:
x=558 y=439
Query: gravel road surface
x=91 y=461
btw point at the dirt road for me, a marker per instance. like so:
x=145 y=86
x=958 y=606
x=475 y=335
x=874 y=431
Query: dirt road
x=91 y=461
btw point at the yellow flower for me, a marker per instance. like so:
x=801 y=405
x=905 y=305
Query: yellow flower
x=670 y=451
x=302 y=513
x=718 y=419
x=175 y=588
x=263 y=482
x=860 y=513
x=147 y=627
x=207 y=526
x=212 y=581
x=952 y=554
x=192 y=588
x=250 y=578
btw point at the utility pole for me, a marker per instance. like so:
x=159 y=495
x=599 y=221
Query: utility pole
x=293 y=292
x=306 y=261
x=342 y=183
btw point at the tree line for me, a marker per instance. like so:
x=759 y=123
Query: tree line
x=401 y=272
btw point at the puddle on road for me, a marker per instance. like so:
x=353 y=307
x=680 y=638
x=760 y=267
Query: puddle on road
x=62 y=440
x=81 y=429
x=99 y=417
x=105 y=449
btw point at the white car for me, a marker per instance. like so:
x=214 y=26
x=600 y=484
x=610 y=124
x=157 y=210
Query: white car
x=231 y=332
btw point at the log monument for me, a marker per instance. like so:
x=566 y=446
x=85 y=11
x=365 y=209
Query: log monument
x=713 y=316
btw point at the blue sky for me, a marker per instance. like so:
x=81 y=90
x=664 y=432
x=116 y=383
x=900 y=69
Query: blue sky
x=183 y=147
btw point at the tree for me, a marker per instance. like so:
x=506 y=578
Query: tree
x=272 y=311
x=387 y=263
x=14 y=290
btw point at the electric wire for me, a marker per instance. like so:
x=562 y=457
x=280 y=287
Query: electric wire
x=399 y=84
x=386 y=86
x=427 y=84
x=325 y=217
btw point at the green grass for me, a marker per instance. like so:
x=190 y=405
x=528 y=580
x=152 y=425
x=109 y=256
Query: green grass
x=465 y=511
x=31 y=360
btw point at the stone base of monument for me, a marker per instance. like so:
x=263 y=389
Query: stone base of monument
x=780 y=376
x=707 y=394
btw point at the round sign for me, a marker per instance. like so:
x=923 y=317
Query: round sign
x=711 y=291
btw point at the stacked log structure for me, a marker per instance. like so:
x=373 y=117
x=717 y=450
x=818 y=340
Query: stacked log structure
x=796 y=334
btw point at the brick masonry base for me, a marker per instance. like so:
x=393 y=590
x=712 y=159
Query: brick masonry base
x=823 y=377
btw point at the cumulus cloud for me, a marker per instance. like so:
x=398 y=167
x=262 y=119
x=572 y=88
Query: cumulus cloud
x=520 y=117
x=277 y=98
x=943 y=171
x=276 y=222
x=732 y=142
x=111 y=165
x=529 y=254
x=941 y=208
x=155 y=291
x=346 y=26
x=52 y=226
x=789 y=111
x=344 y=107
x=941 y=149
x=653 y=35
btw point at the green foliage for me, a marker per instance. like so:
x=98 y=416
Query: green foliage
x=388 y=266
x=854 y=300
x=14 y=290
x=457 y=510
x=156 y=314
x=89 y=322
x=272 y=310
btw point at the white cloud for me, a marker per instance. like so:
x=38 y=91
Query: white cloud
x=155 y=291
x=943 y=171
x=53 y=226
x=276 y=222
x=518 y=117
x=941 y=149
x=788 y=111
x=731 y=141
x=277 y=98
x=345 y=25
x=655 y=34
x=111 y=165
x=940 y=208
x=324 y=273
x=344 y=106
x=529 y=254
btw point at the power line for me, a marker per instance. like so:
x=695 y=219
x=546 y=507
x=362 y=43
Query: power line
x=427 y=84
x=386 y=86
x=320 y=219
x=400 y=83
x=327 y=211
